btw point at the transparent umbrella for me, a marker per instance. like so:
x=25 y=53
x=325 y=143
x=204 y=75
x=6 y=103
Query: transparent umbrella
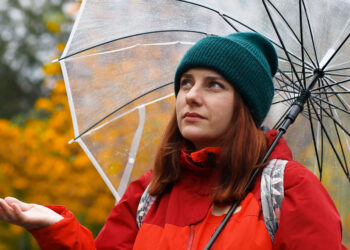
x=120 y=60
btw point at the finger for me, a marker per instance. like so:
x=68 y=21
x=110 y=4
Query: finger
x=4 y=205
x=6 y=211
x=3 y=215
x=11 y=200
x=15 y=216
x=18 y=212
x=24 y=206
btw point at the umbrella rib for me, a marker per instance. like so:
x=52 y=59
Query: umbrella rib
x=304 y=77
x=281 y=41
x=333 y=105
x=330 y=70
x=339 y=64
x=302 y=43
x=285 y=83
x=293 y=85
x=333 y=84
x=280 y=81
x=244 y=25
x=211 y=9
x=334 y=74
x=124 y=37
x=121 y=107
x=229 y=23
x=335 y=52
x=310 y=67
x=285 y=100
x=284 y=94
x=290 y=28
x=289 y=71
x=331 y=143
x=314 y=140
x=322 y=142
x=331 y=117
x=322 y=146
x=311 y=33
x=339 y=140
x=286 y=91
x=337 y=83
x=343 y=102
x=330 y=92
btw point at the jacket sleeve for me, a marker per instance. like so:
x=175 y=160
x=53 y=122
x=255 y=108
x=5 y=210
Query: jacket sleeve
x=119 y=231
x=309 y=218
x=65 y=234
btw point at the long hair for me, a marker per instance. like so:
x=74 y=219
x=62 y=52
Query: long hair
x=242 y=150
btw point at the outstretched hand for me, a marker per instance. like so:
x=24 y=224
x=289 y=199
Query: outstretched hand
x=29 y=216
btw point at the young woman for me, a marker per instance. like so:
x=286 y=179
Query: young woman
x=213 y=142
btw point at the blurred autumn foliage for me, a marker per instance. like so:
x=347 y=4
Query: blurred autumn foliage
x=38 y=165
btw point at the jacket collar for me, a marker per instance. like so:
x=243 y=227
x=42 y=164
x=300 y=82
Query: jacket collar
x=204 y=158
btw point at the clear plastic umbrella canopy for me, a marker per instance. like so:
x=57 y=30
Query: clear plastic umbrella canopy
x=121 y=56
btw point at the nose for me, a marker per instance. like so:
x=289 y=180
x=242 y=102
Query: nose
x=194 y=95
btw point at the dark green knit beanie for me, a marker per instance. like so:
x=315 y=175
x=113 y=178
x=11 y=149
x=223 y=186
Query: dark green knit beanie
x=247 y=60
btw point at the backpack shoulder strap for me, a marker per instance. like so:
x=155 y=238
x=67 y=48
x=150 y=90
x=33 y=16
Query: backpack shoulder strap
x=144 y=206
x=272 y=194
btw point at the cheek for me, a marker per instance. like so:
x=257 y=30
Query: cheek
x=178 y=112
x=224 y=114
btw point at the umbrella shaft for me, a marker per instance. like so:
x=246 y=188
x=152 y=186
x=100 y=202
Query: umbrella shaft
x=317 y=74
x=295 y=110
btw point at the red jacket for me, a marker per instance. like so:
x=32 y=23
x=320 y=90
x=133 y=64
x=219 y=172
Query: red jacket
x=182 y=218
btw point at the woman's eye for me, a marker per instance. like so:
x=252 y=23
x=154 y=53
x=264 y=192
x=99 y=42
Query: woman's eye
x=185 y=84
x=216 y=85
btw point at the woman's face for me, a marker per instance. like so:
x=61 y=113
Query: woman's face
x=204 y=107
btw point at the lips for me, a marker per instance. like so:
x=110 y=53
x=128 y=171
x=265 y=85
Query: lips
x=192 y=116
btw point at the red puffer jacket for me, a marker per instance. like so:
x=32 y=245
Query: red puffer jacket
x=182 y=218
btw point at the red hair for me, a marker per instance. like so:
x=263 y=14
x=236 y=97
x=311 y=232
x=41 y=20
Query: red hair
x=243 y=148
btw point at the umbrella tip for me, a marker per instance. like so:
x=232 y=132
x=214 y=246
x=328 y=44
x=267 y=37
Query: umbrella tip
x=71 y=141
x=55 y=61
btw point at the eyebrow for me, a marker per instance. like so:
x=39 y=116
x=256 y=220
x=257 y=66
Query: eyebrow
x=208 y=77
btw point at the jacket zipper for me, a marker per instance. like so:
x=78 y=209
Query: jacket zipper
x=191 y=237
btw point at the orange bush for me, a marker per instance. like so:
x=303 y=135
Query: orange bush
x=38 y=165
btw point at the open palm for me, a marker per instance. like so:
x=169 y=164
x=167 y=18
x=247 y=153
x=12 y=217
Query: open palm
x=29 y=216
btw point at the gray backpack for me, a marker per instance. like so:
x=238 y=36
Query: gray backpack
x=272 y=193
